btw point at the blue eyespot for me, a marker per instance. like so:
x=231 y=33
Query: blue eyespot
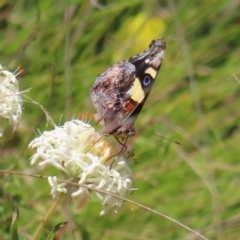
x=147 y=80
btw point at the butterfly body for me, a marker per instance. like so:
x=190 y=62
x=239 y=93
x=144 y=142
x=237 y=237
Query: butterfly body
x=121 y=91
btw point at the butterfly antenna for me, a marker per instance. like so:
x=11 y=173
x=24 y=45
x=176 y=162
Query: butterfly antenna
x=168 y=139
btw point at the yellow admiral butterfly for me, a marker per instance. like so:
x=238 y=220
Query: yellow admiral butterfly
x=121 y=91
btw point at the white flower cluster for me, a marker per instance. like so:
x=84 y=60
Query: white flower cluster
x=10 y=99
x=83 y=156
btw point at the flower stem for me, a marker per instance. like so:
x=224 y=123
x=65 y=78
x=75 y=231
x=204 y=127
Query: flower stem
x=47 y=216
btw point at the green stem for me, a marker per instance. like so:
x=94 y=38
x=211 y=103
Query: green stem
x=47 y=216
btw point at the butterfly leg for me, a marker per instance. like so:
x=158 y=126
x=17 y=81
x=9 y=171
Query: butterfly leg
x=104 y=135
x=124 y=146
x=123 y=150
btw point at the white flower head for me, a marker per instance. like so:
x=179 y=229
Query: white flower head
x=84 y=157
x=10 y=99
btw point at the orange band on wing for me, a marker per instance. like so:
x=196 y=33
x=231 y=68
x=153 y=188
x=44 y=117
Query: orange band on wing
x=130 y=107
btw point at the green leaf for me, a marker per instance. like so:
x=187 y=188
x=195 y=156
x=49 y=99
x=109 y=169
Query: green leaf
x=55 y=230
x=22 y=236
x=85 y=235
x=15 y=214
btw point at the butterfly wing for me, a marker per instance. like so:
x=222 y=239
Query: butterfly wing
x=147 y=65
x=120 y=93
x=110 y=93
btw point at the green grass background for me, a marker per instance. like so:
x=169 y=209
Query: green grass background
x=62 y=47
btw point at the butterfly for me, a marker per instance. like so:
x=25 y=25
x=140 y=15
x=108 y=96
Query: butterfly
x=121 y=91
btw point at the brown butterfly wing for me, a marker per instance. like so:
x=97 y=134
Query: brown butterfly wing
x=111 y=94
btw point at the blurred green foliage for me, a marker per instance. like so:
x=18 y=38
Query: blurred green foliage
x=63 y=45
